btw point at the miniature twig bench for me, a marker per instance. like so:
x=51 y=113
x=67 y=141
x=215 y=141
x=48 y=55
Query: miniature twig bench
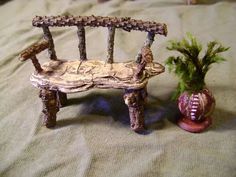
x=58 y=77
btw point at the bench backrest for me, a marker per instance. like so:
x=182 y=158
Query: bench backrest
x=127 y=24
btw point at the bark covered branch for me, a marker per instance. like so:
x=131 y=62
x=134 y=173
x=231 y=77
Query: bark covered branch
x=126 y=23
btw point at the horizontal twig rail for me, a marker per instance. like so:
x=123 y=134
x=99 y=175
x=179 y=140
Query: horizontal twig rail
x=125 y=23
x=33 y=50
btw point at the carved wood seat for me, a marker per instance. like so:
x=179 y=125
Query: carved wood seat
x=58 y=77
x=77 y=76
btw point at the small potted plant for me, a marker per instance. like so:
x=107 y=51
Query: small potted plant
x=195 y=101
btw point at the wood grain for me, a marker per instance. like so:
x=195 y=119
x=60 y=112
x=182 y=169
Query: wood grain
x=77 y=76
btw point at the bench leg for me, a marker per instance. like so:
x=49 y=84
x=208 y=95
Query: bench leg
x=62 y=99
x=50 y=107
x=135 y=100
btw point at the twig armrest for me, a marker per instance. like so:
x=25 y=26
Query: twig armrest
x=32 y=51
x=145 y=57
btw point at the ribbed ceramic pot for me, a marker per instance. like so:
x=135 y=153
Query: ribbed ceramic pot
x=196 y=109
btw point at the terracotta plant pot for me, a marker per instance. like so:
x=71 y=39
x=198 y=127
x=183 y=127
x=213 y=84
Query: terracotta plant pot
x=196 y=109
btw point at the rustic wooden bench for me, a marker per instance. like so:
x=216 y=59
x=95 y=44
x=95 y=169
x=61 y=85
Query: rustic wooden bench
x=58 y=77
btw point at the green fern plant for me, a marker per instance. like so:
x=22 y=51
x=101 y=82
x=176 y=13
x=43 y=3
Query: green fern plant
x=189 y=67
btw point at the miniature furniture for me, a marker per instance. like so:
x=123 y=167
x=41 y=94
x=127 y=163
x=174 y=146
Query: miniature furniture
x=58 y=77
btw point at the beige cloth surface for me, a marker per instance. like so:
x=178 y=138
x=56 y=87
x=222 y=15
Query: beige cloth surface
x=92 y=137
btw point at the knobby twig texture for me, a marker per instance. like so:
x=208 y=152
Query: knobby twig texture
x=126 y=23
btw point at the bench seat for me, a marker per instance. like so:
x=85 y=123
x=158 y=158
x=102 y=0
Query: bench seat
x=75 y=76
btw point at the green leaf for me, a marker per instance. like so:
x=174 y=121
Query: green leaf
x=217 y=59
x=195 y=47
x=170 y=63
